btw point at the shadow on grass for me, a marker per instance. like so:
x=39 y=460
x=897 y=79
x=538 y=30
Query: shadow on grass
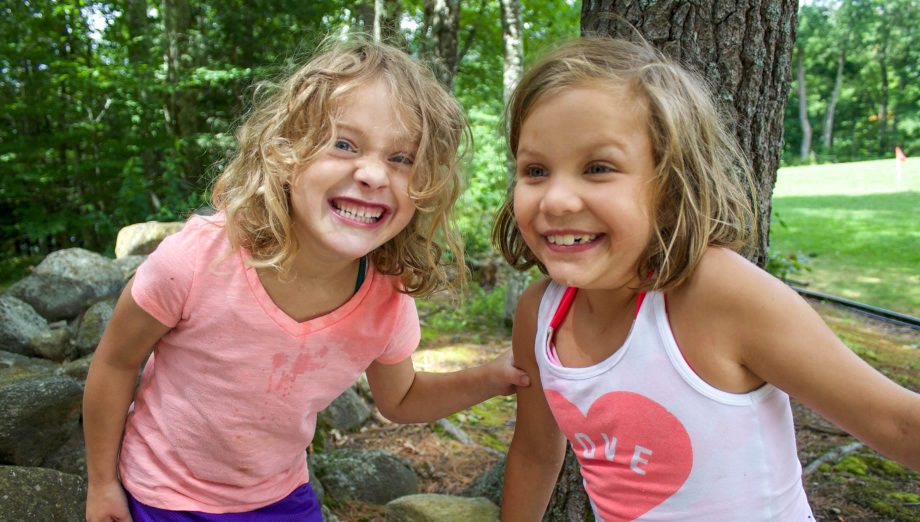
x=865 y=248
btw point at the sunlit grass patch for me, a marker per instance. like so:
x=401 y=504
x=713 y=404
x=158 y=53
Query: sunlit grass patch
x=863 y=236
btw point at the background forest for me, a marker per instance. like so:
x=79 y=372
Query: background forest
x=121 y=111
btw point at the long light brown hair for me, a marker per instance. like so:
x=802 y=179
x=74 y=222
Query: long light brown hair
x=703 y=190
x=293 y=122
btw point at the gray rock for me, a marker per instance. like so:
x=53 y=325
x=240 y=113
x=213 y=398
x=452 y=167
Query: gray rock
x=79 y=368
x=19 y=325
x=315 y=483
x=489 y=484
x=376 y=477
x=69 y=458
x=347 y=412
x=38 y=414
x=32 y=494
x=143 y=238
x=328 y=516
x=65 y=281
x=17 y=365
x=364 y=389
x=54 y=344
x=92 y=324
x=128 y=264
x=441 y=508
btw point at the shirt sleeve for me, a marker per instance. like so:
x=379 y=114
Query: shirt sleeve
x=406 y=332
x=163 y=281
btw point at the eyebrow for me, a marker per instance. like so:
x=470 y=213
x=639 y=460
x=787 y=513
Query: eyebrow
x=594 y=146
x=399 y=139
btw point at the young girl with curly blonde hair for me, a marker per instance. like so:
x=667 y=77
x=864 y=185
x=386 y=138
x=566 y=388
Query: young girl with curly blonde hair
x=334 y=213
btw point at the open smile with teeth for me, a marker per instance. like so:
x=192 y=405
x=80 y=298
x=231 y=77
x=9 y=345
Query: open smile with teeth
x=571 y=239
x=356 y=212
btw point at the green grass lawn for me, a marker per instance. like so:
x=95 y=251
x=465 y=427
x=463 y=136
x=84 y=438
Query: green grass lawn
x=861 y=233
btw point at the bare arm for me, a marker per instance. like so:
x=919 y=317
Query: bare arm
x=128 y=339
x=538 y=447
x=404 y=395
x=783 y=341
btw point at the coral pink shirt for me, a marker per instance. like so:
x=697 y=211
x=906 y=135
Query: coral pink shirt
x=227 y=402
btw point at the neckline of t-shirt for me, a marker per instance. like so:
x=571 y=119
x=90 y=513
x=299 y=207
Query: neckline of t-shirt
x=288 y=323
x=584 y=372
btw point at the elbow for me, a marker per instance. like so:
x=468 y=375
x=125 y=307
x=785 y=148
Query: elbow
x=394 y=413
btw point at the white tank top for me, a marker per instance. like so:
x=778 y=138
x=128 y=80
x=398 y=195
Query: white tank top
x=656 y=442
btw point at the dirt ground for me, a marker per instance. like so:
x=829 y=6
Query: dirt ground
x=857 y=486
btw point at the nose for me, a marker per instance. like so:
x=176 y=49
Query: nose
x=562 y=196
x=372 y=173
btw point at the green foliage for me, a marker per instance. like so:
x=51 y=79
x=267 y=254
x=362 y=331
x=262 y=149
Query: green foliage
x=480 y=310
x=485 y=186
x=880 y=47
x=112 y=116
x=785 y=265
x=99 y=132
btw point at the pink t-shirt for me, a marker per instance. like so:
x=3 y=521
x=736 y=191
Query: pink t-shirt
x=227 y=403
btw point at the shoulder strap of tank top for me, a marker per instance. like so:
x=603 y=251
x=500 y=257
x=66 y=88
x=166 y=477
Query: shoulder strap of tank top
x=566 y=302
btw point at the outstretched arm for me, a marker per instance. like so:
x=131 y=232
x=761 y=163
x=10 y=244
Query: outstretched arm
x=127 y=341
x=538 y=447
x=786 y=343
x=404 y=395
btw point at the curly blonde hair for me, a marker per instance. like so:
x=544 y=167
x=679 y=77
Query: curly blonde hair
x=293 y=122
x=703 y=189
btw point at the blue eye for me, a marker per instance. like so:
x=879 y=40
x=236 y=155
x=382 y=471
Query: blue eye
x=344 y=145
x=402 y=159
x=598 y=168
x=534 y=171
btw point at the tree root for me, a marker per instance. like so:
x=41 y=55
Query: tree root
x=454 y=431
x=833 y=454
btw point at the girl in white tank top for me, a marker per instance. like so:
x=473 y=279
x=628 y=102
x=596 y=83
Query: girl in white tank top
x=663 y=356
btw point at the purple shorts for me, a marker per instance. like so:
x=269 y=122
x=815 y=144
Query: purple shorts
x=300 y=506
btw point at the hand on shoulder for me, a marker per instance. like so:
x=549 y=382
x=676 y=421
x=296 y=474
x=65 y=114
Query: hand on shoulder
x=525 y=325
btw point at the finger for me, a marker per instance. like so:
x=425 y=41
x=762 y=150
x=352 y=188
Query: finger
x=521 y=378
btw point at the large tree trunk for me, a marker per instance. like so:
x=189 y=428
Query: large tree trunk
x=744 y=49
x=441 y=27
x=805 y=148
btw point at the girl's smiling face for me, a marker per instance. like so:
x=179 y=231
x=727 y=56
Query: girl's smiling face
x=584 y=185
x=355 y=196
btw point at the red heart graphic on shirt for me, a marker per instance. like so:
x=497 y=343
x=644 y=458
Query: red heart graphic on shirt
x=634 y=453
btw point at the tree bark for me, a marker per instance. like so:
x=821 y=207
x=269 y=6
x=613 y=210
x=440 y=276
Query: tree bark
x=743 y=48
x=441 y=26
